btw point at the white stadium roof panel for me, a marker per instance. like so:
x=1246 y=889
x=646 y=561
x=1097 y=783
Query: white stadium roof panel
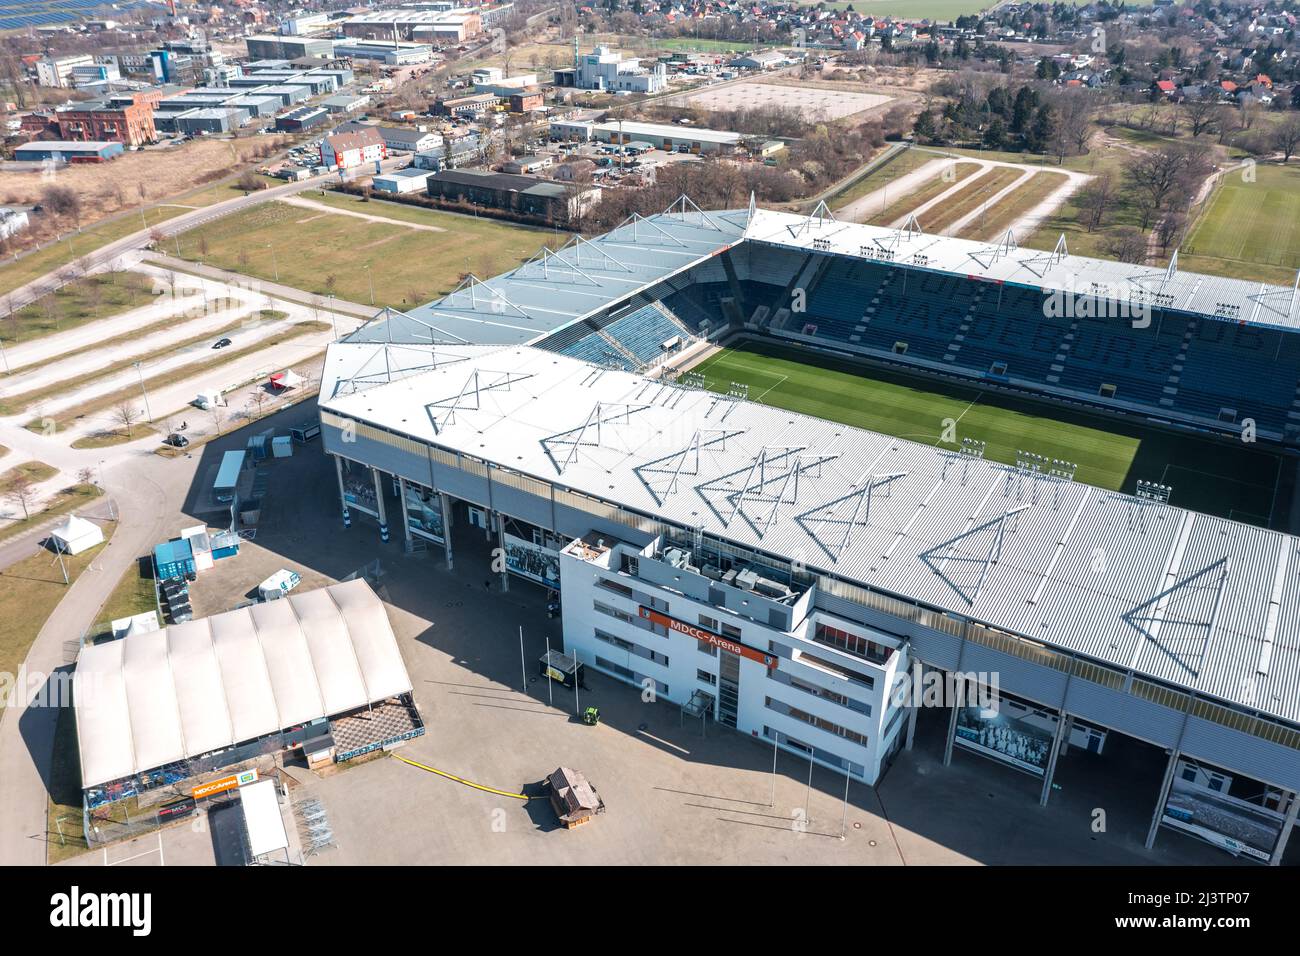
x=1165 y=592
x=156 y=698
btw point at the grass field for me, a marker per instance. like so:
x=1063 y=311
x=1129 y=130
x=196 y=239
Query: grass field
x=1006 y=211
x=968 y=199
x=306 y=247
x=928 y=190
x=1110 y=454
x=1251 y=230
x=84 y=300
x=900 y=164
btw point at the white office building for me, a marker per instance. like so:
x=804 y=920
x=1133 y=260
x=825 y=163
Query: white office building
x=605 y=70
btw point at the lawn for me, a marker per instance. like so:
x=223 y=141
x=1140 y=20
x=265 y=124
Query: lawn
x=1250 y=230
x=83 y=300
x=55 y=255
x=968 y=198
x=321 y=253
x=928 y=190
x=899 y=164
x=29 y=591
x=1004 y=213
x=1110 y=454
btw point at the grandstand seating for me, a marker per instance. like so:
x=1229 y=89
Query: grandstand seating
x=1178 y=364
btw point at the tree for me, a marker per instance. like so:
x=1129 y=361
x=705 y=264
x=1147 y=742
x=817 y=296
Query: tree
x=1125 y=243
x=257 y=402
x=1155 y=177
x=1286 y=137
x=1202 y=112
x=1094 y=199
x=62 y=201
x=126 y=415
x=21 y=490
x=249 y=181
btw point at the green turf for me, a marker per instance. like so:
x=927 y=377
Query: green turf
x=1217 y=477
x=1251 y=229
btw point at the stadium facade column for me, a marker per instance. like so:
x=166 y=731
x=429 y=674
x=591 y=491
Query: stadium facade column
x=958 y=685
x=501 y=546
x=380 y=508
x=406 y=516
x=911 y=722
x=1287 y=825
x=1062 y=732
x=1162 y=799
x=343 y=498
x=446 y=525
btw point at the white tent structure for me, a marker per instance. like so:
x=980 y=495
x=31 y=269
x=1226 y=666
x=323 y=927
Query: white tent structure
x=286 y=379
x=191 y=689
x=76 y=535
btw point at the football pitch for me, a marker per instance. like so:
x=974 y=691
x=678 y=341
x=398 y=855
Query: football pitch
x=1208 y=475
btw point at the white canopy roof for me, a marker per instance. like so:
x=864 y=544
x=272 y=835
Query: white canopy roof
x=262 y=818
x=76 y=534
x=155 y=698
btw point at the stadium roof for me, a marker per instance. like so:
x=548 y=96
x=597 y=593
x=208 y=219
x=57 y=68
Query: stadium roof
x=156 y=698
x=1196 y=601
x=555 y=289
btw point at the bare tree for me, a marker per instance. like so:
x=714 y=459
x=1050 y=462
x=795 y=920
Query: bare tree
x=1126 y=244
x=126 y=415
x=1202 y=113
x=1154 y=178
x=257 y=402
x=1286 y=137
x=21 y=490
x=218 y=413
x=1094 y=200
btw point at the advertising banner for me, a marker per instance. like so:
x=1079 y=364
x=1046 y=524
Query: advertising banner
x=424 y=517
x=532 y=561
x=1009 y=733
x=1227 y=822
x=222 y=784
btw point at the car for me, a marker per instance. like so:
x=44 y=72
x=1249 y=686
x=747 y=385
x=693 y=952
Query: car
x=220 y=343
x=176 y=441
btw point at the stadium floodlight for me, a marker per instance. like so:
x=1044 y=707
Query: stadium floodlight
x=739 y=391
x=972 y=447
x=692 y=380
x=1154 y=491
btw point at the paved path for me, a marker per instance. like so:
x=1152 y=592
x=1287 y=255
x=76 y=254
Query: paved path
x=306 y=203
x=27 y=732
x=274 y=289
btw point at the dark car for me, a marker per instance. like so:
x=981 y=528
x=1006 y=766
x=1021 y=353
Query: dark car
x=220 y=343
x=176 y=441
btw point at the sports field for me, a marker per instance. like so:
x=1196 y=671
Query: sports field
x=1251 y=229
x=1206 y=475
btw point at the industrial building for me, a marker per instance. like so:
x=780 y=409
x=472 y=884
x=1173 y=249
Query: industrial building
x=62 y=151
x=441 y=26
x=524 y=195
x=662 y=136
x=470 y=105
x=410 y=180
x=388 y=52
x=124 y=118
x=807 y=582
x=605 y=70
x=272 y=47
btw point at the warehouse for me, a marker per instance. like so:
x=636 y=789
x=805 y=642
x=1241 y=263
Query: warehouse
x=158 y=708
x=525 y=195
x=211 y=121
x=824 y=587
x=61 y=151
x=302 y=118
x=410 y=180
x=271 y=47
x=388 y=52
x=661 y=136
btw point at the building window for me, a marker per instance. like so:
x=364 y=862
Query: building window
x=704 y=677
x=857 y=646
x=612 y=612
x=781 y=707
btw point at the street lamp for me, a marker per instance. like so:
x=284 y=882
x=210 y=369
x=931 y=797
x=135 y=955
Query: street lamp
x=145 y=392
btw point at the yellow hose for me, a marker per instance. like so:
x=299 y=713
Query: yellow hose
x=468 y=783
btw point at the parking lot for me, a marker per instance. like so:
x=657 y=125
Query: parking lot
x=812 y=102
x=674 y=795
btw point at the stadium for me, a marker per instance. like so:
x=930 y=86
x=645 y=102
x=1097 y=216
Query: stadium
x=784 y=472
